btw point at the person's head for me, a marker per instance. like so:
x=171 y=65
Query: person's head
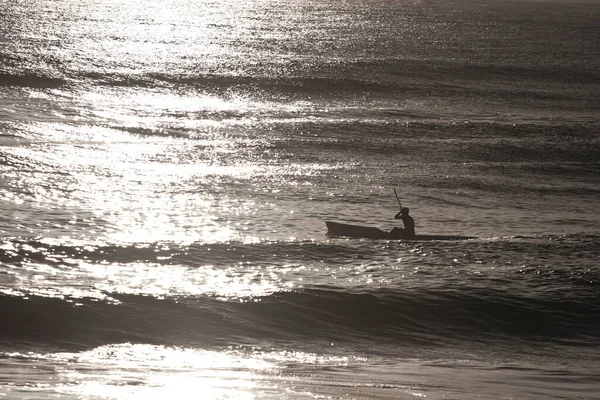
x=404 y=211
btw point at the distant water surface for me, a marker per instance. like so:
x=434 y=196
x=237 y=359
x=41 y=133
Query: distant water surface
x=166 y=171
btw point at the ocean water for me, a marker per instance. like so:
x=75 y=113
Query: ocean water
x=166 y=169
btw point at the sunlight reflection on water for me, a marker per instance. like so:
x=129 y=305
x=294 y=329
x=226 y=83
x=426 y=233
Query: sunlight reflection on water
x=149 y=191
x=145 y=371
x=142 y=371
x=103 y=281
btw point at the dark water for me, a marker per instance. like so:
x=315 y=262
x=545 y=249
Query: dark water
x=166 y=171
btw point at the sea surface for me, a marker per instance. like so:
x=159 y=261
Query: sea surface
x=167 y=168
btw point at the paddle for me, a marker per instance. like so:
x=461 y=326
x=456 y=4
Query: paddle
x=399 y=205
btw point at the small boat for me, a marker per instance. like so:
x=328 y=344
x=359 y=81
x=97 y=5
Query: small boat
x=366 y=232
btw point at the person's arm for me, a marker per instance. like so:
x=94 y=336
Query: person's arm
x=398 y=216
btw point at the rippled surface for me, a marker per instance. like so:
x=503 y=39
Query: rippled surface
x=214 y=121
x=166 y=171
x=143 y=371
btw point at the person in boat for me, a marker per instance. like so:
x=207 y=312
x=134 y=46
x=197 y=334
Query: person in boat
x=409 y=225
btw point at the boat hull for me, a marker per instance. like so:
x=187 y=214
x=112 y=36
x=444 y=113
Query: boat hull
x=365 y=232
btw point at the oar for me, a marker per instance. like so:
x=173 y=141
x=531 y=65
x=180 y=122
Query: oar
x=397 y=198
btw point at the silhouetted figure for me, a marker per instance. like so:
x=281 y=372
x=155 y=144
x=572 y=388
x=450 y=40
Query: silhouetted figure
x=409 y=225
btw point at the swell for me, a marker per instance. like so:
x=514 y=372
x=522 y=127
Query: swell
x=30 y=80
x=22 y=250
x=252 y=84
x=17 y=251
x=525 y=86
x=553 y=304
x=427 y=318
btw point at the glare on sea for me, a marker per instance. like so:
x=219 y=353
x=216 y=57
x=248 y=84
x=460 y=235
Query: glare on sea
x=143 y=371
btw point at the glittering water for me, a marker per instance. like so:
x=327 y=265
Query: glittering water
x=166 y=171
